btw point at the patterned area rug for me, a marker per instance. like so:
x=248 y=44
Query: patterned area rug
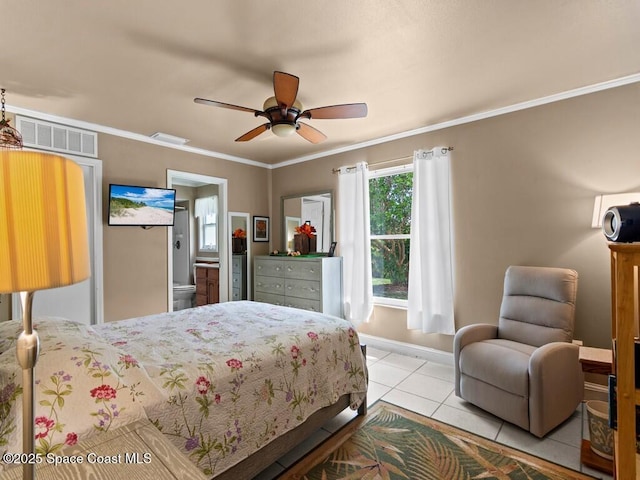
x=393 y=443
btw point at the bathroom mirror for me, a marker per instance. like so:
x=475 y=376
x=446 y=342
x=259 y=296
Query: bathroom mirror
x=314 y=207
x=239 y=256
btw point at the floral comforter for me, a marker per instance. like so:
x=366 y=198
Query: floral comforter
x=220 y=381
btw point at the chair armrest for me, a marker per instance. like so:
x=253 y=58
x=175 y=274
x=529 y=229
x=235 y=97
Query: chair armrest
x=466 y=335
x=556 y=385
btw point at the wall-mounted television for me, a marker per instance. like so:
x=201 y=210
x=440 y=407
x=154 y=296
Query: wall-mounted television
x=141 y=206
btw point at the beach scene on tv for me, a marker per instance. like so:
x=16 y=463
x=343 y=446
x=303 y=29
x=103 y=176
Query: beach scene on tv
x=129 y=205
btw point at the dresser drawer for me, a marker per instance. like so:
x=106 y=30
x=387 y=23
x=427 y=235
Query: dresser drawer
x=269 y=284
x=269 y=267
x=310 y=283
x=304 y=304
x=236 y=264
x=269 y=298
x=303 y=269
x=308 y=289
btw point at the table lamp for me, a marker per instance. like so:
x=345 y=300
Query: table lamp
x=43 y=244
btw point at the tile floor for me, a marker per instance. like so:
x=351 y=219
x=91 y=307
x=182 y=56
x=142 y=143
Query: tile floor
x=426 y=387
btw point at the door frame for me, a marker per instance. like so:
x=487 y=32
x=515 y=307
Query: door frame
x=247 y=218
x=223 y=242
x=96 y=263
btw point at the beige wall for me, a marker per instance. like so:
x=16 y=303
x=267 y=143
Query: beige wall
x=5 y=307
x=135 y=260
x=523 y=193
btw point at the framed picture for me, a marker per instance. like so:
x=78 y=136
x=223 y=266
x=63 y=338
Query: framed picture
x=260 y=229
x=332 y=249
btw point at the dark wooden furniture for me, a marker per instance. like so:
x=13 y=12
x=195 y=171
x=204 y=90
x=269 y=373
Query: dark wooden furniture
x=207 y=284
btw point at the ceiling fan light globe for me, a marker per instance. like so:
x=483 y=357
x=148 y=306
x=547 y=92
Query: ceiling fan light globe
x=283 y=129
x=269 y=103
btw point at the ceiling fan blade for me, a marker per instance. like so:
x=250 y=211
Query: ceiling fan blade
x=285 y=86
x=253 y=133
x=347 y=110
x=213 y=103
x=309 y=133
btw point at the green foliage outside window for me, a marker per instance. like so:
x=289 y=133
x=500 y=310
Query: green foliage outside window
x=390 y=217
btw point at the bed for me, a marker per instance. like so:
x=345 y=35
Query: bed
x=229 y=384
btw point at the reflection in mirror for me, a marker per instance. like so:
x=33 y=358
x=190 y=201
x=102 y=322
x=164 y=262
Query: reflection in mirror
x=240 y=253
x=316 y=208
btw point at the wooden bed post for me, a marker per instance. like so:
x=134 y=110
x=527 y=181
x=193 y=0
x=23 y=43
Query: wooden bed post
x=362 y=409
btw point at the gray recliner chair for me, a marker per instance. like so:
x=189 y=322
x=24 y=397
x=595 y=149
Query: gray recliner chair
x=525 y=370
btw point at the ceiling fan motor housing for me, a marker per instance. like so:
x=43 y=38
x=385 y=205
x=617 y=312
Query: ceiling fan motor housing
x=622 y=223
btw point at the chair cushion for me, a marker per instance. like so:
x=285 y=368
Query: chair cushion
x=538 y=305
x=501 y=363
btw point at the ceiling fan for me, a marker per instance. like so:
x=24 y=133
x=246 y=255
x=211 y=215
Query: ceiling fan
x=284 y=112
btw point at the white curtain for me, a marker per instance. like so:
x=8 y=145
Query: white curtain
x=355 y=247
x=430 y=296
x=206 y=207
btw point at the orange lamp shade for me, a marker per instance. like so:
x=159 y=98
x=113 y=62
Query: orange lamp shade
x=43 y=222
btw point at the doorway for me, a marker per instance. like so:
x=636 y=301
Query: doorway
x=82 y=302
x=175 y=179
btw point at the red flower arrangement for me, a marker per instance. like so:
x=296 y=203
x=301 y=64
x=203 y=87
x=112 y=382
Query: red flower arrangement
x=306 y=229
x=239 y=233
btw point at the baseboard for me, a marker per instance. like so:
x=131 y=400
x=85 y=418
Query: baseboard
x=596 y=391
x=409 y=349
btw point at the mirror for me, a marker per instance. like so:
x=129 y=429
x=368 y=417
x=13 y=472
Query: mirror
x=239 y=255
x=315 y=207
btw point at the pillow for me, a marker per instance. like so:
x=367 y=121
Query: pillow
x=84 y=386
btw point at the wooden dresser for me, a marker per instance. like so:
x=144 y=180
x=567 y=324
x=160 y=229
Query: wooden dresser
x=207 y=284
x=310 y=283
x=238 y=277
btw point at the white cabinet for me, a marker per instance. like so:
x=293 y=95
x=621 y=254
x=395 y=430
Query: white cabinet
x=310 y=283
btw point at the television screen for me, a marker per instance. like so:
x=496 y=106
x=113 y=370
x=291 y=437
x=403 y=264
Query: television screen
x=141 y=206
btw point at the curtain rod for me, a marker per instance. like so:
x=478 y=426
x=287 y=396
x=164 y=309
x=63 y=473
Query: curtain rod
x=406 y=157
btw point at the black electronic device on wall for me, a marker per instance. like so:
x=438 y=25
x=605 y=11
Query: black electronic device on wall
x=622 y=223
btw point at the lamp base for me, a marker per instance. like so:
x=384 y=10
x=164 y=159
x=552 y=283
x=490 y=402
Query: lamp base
x=27 y=351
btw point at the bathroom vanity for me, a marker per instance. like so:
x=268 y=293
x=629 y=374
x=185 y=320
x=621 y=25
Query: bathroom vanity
x=207 y=283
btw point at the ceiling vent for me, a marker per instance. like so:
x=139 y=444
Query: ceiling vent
x=57 y=138
x=165 y=137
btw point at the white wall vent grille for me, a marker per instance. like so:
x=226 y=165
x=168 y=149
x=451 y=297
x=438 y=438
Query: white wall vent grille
x=58 y=138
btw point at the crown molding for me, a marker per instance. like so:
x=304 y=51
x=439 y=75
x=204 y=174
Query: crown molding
x=577 y=92
x=470 y=118
x=131 y=136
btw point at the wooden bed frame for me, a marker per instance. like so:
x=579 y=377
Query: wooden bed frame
x=255 y=463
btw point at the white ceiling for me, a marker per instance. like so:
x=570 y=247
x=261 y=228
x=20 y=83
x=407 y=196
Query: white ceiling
x=137 y=65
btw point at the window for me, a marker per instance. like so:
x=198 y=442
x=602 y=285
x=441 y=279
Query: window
x=207 y=216
x=390 y=193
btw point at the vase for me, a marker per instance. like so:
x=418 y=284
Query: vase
x=238 y=245
x=304 y=244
